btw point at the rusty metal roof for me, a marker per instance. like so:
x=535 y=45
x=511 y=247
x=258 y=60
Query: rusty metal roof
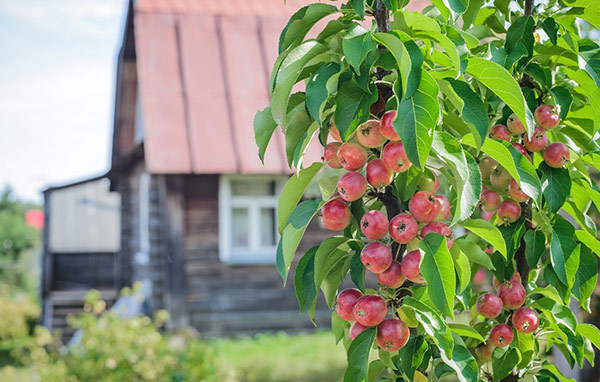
x=203 y=69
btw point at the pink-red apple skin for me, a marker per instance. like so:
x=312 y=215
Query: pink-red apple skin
x=335 y=215
x=370 y=310
x=392 y=277
x=345 y=302
x=490 y=200
x=378 y=175
x=500 y=131
x=356 y=329
x=411 y=266
x=515 y=125
x=369 y=135
x=395 y=157
x=501 y=335
x=508 y=212
x=441 y=228
x=374 y=225
x=546 y=116
x=387 y=126
x=525 y=320
x=489 y=305
x=330 y=155
x=403 y=228
x=556 y=155
x=376 y=257
x=392 y=335
x=444 y=207
x=538 y=141
x=352 y=186
x=515 y=192
x=424 y=206
x=512 y=294
x=352 y=156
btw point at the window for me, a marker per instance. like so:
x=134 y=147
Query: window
x=248 y=218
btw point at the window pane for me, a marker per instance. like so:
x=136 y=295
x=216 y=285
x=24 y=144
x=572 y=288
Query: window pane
x=252 y=187
x=267 y=227
x=239 y=228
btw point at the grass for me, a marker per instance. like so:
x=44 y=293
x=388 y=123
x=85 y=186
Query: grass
x=281 y=358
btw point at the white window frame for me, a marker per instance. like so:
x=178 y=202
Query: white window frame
x=254 y=254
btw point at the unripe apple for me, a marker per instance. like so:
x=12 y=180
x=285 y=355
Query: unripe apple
x=441 y=228
x=352 y=156
x=500 y=132
x=368 y=134
x=403 y=228
x=352 y=186
x=501 y=335
x=345 y=302
x=538 y=141
x=512 y=294
x=486 y=166
x=411 y=266
x=500 y=178
x=489 y=305
x=395 y=157
x=374 y=225
x=515 y=192
x=490 y=200
x=444 y=207
x=335 y=215
x=335 y=133
x=424 y=206
x=392 y=276
x=378 y=175
x=356 y=329
x=546 y=117
x=508 y=212
x=556 y=155
x=525 y=320
x=515 y=125
x=387 y=126
x=376 y=257
x=392 y=334
x=370 y=310
x=428 y=184
x=484 y=352
x=330 y=155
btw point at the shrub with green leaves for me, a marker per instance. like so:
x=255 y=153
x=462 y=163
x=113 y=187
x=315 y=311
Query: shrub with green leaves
x=466 y=141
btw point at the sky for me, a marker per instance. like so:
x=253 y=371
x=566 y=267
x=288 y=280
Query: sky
x=57 y=70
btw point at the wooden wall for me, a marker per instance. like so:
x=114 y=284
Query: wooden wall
x=224 y=299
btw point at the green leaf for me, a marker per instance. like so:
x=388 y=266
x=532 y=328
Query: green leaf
x=331 y=251
x=411 y=355
x=588 y=87
x=556 y=186
x=292 y=234
x=589 y=58
x=335 y=276
x=359 y=8
x=376 y=367
x=287 y=75
x=296 y=133
x=338 y=327
x=585 y=278
x=409 y=76
x=551 y=29
x=462 y=361
x=457 y=6
x=304 y=280
x=590 y=11
x=520 y=31
x=503 y=362
x=264 y=126
x=437 y=268
x=529 y=181
x=590 y=332
x=500 y=81
x=472 y=110
x=434 y=325
x=449 y=48
x=563 y=98
x=556 y=312
x=357 y=43
x=462 y=267
x=466 y=174
x=475 y=253
x=535 y=245
x=352 y=107
x=358 y=356
x=357 y=272
x=301 y=22
x=465 y=331
x=488 y=232
x=563 y=254
x=292 y=192
x=589 y=241
x=319 y=88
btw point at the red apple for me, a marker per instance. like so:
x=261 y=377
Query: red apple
x=387 y=126
x=444 y=207
x=500 y=132
x=538 y=141
x=335 y=133
x=356 y=329
x=392 y=334
x=352 y=156
x=508 y=212
x=411 y=266
x=345 y=302
x=501 y=335
x=556 y=155
x=330 y=155
x=370 y=310
x=490 y=200
x=376 y=257
x=441 y=228
x=403 y=228
x=512 y=294
x=525 y=320
x=395 y=157
x=378 y=175
x=424 y=206
x=515 y=125
x=374 y=225
x=335 y=215
x=352 y=186
x=489 y=305
x=546 y=117
x=368 y=134
x=392 y=276
x=515 y=192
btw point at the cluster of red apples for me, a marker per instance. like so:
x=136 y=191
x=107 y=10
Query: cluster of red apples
x=426 y=213
x=497 y=181
x=510 y=295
